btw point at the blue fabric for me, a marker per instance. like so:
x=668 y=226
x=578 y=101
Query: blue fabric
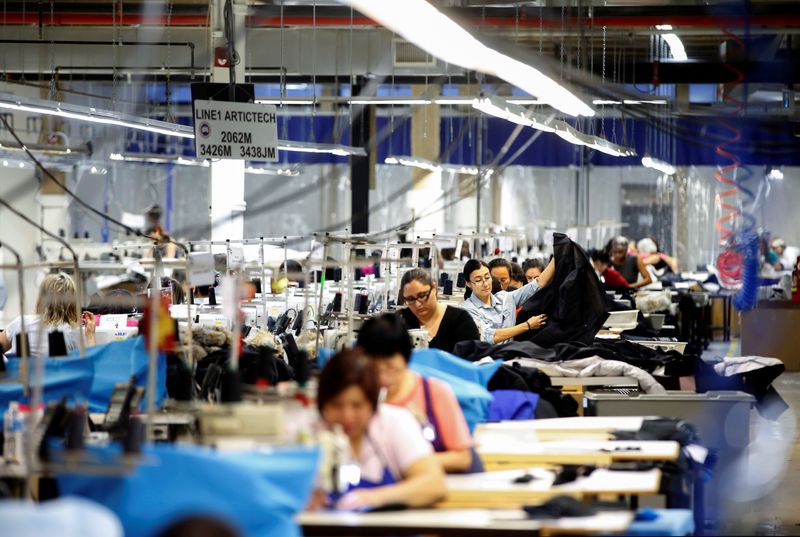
x=468 y=380
x=115 y=363
x=512 y=405
x=256 y=493
x=666 y=522
x=63 y=377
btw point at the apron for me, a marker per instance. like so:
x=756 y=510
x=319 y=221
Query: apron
x=386 y=479
x=431 y=431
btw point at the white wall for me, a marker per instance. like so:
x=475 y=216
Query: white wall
x=19 y=188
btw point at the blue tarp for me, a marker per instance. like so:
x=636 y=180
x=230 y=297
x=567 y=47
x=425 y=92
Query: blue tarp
x=115 y=363
x=468 y=380
x=63 y=377
x=256 y=493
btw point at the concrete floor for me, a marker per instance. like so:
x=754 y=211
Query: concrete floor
x=773 y=507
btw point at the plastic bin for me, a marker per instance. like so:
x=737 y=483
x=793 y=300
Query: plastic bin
x=622 y=319
x=722 y=420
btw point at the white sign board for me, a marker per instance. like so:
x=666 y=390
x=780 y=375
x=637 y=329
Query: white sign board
x=227 y=130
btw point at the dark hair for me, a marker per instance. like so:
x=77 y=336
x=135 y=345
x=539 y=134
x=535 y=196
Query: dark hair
x=348 y=368
x=384 y=336
x=517 y=274
x=291 y=266
x=414 y=275
x=532 y=263
x=471 y=266
x=500 y=262
x=496 y=286
x=199 y=526
x=618 y=242
x=600 y=255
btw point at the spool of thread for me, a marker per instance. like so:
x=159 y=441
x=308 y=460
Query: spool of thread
x=448 y=288
x=363 y=306
x=337 y=302
x=212 y=297
x=56 y=343
x=461 y=283
x=357 y=302
x=443 y=277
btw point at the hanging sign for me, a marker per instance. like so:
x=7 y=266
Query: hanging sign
x=231 y=130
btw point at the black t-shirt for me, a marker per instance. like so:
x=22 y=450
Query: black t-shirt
x=457 y=325
x=629 y=268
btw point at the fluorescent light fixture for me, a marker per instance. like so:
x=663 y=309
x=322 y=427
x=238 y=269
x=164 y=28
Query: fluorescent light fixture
x=628 y=101
x=463 y=170
x=409 y=101
x=145 y=158
x=453 y=100
x=525 y=102
x=287 y=101
x=658 y=165
x=45 y=149
x=95 y=170
x=775 y=174
x=423 y=25
x=570 y=134
x=414 y=162
x=93 y=115
x=610 y=148
x=333 y=149
x=675 y=44
x=266 y=170
x=511 y=112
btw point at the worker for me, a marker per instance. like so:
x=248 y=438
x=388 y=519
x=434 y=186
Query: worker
x=396 y=463
x=787 y=255
x=630 y=266
x=532 y=269
x=496 y=314
x=651 y=255
x=155 y=230
x=446 y=325
x=56 y=309
x=501 y=269
x=610 y=277
x=385 y=339
x=517 y=277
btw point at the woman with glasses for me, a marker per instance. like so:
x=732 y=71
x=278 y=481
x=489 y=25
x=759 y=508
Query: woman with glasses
x=446 y=325
x=496 y=314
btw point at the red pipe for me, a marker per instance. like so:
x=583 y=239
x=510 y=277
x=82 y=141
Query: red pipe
x=107 y=19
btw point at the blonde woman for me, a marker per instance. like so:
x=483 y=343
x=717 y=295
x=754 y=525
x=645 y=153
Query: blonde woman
x=56 y=309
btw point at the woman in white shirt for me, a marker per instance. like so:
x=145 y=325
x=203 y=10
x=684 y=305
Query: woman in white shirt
x=396 y=463
x=56 y=309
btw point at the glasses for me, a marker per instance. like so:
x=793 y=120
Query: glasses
x=485 y=279
x=420 y=298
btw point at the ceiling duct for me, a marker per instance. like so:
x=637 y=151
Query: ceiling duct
x=407 y=54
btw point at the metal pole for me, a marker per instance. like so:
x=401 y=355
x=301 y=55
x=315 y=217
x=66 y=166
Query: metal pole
x=321 y=290
x=286 y=274
x=261 y=258
x=152 y=364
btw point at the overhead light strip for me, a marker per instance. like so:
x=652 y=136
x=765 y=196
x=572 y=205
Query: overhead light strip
x=429 y=29
x=428 y=165
x=106 y=117
x=676 y=47
x=658 y=165
x=498 y=107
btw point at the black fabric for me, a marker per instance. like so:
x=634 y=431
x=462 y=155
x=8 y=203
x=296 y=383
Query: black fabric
x=457 y=325
x=574 y=300
x=676 y=364
x=758 y=383
x=558 y=507
x=552 y=403
x=629 y=268
x=254 y=363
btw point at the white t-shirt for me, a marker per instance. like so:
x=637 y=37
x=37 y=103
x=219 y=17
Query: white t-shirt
x=37 y=339
x=394 y=440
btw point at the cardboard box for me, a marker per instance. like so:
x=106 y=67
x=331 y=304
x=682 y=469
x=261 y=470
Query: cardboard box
x=771 y=330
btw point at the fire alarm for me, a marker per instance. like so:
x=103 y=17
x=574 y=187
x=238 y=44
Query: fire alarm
x=221 y=57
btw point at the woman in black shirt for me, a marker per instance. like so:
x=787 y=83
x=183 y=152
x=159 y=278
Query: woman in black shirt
x=445 y=324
